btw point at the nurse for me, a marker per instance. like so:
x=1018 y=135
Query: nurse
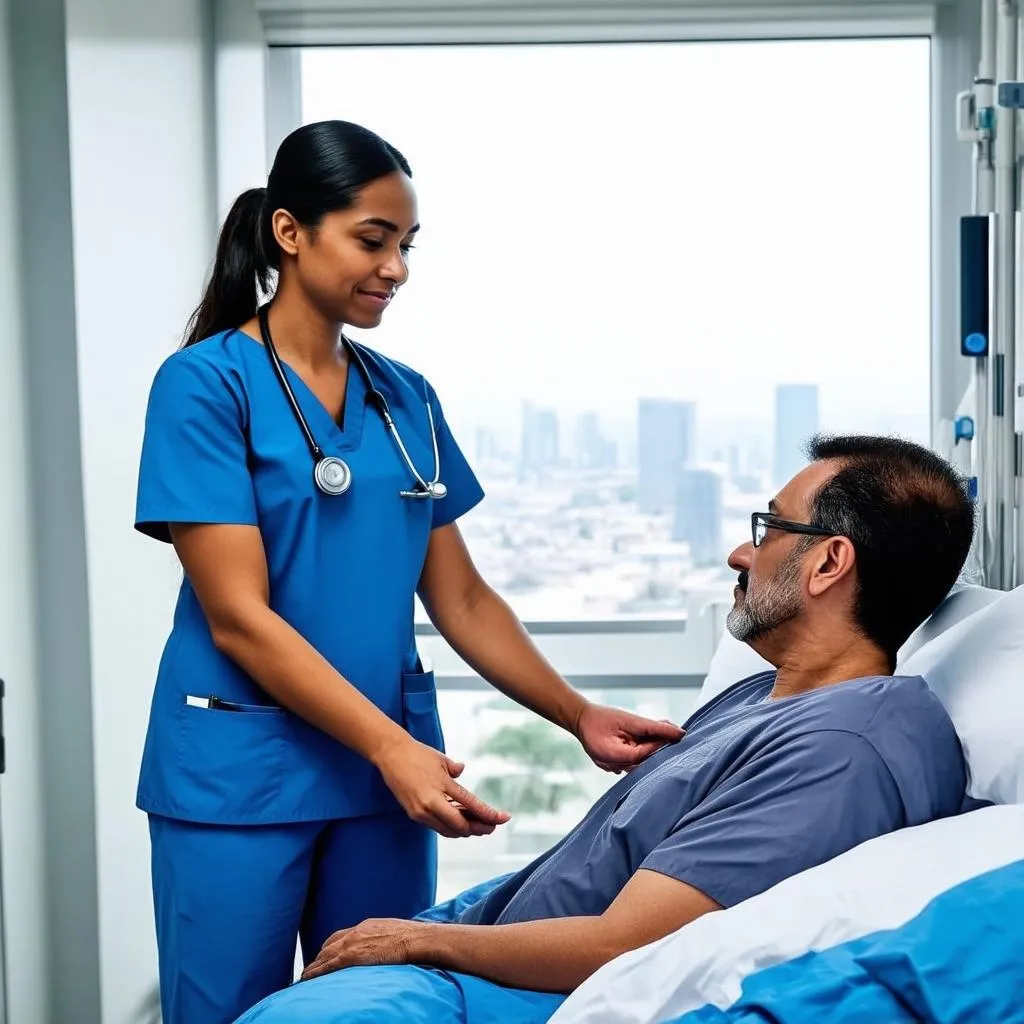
x=294 y=771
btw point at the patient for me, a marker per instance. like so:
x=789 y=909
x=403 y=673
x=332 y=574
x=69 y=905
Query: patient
x=780 y=772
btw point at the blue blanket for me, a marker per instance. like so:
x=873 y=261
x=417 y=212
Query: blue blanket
x=407 y=995
x=959 y=960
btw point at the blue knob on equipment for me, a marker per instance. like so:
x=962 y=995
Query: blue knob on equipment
x=963 y=429
x=975 y=344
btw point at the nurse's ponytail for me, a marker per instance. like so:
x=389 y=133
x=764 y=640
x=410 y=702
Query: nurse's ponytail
x=318 y=169
x=231 y=297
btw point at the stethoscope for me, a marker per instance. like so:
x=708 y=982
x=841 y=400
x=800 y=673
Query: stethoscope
x=332 y=475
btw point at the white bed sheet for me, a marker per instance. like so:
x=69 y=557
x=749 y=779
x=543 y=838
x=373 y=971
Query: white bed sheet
x=880 y=884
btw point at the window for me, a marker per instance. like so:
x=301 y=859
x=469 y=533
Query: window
x=646 y=274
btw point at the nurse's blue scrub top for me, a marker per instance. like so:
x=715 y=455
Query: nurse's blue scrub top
x=222 y=446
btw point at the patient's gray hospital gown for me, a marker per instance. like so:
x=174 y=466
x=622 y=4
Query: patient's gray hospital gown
x=757 y=790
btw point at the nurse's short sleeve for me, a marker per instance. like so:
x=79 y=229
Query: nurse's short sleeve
x=464 y=490
x=194 y=465
x=800 y=805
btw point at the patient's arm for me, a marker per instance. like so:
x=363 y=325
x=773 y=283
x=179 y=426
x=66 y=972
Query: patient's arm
x=553 y=956
x=827 y=791
x=558 y=955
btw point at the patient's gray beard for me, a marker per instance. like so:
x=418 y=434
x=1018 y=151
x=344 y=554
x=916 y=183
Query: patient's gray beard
x=771 y=605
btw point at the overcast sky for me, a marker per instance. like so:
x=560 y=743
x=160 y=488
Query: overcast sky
x=697 y=221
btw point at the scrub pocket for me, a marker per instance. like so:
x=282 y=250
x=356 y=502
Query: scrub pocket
x=419 y=709
x=233 y=759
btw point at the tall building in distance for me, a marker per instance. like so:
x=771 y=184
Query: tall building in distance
x=796 y=421
x=698 y=514
x=734 y=461
x=593 y=450
x=665 y=444
x=540 y=438
x=486 y=444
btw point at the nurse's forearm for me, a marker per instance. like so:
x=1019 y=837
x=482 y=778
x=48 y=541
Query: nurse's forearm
x=298 y=677
x=422 y=780
x=489 y=637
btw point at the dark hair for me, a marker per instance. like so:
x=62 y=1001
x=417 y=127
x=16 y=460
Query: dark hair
x=318 y=169
x=910 y=517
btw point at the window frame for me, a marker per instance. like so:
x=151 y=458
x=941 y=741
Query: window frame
x=426 y=22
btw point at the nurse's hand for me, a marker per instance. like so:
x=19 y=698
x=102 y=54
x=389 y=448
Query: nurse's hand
x=619 y=740
x=423 y=781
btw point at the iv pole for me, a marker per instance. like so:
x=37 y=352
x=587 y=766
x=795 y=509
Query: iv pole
x=1001 y=446
x=1015 y=372
x=976 y=124
x=987 y=116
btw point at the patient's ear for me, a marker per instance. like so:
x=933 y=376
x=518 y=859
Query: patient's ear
x=832 y=562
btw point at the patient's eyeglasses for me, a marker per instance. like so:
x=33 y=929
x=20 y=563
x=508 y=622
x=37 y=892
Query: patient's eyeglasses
x=762 y=522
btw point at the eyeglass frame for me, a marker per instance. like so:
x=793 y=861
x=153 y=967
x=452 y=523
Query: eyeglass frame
x=773 y=522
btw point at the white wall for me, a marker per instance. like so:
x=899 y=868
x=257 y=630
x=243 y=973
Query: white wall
x=240 y=70
x=21 y=820
x=141 y=187
x=148 y=157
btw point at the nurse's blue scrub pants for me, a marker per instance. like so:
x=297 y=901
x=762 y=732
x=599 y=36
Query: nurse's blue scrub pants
x=230 y=901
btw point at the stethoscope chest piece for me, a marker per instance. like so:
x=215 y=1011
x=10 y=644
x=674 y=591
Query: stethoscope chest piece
x=332 y=476
x=427 y=489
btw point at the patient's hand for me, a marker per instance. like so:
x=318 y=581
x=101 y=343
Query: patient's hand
x=372 y=943
x=619 y=740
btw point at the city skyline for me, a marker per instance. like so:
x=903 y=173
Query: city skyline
x=637 y=534
x=714 y=440
x=547 y=441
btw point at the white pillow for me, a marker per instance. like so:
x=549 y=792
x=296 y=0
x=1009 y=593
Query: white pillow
x=882 y=883
x=961 y=602
x=731 y=662
x=976 y=668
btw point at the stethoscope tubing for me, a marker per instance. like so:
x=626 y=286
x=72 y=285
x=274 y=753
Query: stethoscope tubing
x=428 y=489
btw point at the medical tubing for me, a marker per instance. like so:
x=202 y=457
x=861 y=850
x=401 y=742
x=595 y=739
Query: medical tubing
x=405 y=454
x=433 y=437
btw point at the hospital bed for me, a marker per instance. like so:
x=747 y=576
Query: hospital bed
x=926 y=923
